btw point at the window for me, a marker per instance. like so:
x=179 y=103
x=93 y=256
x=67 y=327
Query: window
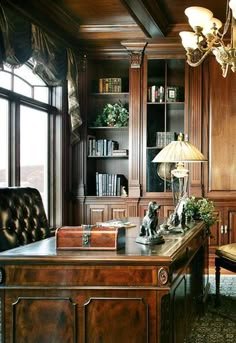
x=33 y=149
x=3 y=143
x=28 y=150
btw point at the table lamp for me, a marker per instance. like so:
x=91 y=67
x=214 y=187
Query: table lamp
x=179 y=152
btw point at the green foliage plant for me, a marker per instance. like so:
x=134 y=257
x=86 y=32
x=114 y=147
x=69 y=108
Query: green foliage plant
x=201 y=209
x=115 y=115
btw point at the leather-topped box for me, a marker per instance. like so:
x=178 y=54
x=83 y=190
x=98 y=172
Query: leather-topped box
x=90 y=237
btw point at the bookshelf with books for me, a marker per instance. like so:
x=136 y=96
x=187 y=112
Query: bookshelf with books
x=112 y=150
x=163 y=117
x=107 y=142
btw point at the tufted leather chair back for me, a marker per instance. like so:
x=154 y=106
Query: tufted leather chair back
x=22 y=217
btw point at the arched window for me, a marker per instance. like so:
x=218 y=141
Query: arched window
x=27 y=132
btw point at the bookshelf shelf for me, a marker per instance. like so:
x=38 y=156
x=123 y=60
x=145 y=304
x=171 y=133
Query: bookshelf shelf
x=108 y=128
x=109 y=157
x=110 y=94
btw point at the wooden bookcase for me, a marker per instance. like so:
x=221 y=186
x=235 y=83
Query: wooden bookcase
x=98 y=71
x=138 y=72
x=163 y=114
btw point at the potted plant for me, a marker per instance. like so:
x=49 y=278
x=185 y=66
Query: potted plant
x=115 y=115
x=201 y=209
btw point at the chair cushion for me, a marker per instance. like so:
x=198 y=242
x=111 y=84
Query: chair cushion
x=227 y=251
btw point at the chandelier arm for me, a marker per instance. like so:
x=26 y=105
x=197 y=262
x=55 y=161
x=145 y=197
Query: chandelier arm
x=196 y=64
x=215 y=41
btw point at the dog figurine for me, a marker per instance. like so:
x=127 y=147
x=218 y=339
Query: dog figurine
x=148 y=229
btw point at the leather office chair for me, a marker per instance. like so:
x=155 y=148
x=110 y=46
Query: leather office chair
x=22 y=217
x=226 y=258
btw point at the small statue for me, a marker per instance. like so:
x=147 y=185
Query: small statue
x=183 y=217
x=176 y=219
x=123 y=192
x=148 y=230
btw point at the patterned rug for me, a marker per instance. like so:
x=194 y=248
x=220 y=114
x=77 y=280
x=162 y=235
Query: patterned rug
x=218 y=324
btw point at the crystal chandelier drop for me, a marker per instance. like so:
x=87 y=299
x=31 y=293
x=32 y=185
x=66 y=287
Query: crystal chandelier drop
x=207 y=37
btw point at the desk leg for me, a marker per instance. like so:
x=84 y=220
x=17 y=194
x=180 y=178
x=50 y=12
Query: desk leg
x=217 y=281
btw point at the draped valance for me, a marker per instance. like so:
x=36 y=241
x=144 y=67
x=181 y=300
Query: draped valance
x=21 y=40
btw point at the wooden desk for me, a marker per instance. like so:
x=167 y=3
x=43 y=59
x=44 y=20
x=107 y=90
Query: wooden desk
x=136 y=295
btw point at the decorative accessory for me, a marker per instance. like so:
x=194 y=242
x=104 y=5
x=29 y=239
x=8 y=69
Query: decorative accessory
x=115 y=115
x=179 y=152
x=207 y=38
x=201 y=209
x=149 y=234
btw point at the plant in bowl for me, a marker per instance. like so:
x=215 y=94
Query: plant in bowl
x=201 y=209
x=115 y=115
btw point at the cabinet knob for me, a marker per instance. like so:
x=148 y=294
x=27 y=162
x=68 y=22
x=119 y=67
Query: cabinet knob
x=226 y=228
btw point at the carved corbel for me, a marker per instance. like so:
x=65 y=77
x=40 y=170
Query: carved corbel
x=136 y=51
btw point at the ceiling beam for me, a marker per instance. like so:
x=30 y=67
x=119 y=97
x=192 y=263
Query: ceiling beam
x=147 y=14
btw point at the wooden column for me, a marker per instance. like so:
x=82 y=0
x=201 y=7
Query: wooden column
x=193 y=104
x=136 y=51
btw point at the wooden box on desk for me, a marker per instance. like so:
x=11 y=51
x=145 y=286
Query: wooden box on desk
x=90 y=237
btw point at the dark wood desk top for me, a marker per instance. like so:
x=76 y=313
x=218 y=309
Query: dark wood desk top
x=45 y=251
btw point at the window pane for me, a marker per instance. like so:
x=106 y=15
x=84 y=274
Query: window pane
x=33 y=150
x=27 y=74
x=22 y=87
x=3 y=143
x=41 y=94
x=5 y=80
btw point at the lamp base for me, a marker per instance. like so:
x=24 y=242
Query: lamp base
x=150 y=240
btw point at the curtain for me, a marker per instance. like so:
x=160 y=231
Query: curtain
x=73 y=94
x=20 y=40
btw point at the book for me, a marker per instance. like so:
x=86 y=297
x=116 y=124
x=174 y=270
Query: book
x=110 y=85
x=120 y=152
x=108 y=184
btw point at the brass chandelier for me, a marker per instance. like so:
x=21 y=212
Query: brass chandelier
x=207 y=37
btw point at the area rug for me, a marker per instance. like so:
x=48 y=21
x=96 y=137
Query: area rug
x=218 y=324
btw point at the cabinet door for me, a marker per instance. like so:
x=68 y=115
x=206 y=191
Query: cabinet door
x=118 y=211
x=97 y=213
x=217 y=235
x=104 y=319
x=230 y=225
x=163 y=119
x=220 y=122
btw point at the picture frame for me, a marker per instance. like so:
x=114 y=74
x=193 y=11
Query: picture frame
x=171 y=95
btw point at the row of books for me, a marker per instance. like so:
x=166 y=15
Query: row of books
x=164 y=138
x=110 y=184
x=110 y=85
x=101 y=147
x=158 y=94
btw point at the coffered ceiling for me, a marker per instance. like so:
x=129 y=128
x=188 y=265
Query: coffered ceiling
x=105 y=23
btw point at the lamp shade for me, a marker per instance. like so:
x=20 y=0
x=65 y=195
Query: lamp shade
x=198 y=16
x=188 y=40
x=179 y=151
x=213 y=23
x=232 y=5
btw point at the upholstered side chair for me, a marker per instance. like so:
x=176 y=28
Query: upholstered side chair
x=225 y=258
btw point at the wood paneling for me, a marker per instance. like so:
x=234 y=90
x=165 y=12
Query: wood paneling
x=219 y=124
